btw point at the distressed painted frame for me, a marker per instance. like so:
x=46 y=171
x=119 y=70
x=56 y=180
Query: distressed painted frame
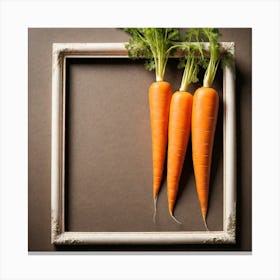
x=61 y=51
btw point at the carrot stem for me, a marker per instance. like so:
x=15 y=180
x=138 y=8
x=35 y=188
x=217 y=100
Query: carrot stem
x=212 y=35
x=190 y=73
x=153 y=44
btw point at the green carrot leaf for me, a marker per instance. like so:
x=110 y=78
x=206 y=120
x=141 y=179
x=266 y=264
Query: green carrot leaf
x=212 y=35
x=227 y=59
x=149 y=64
x=193 y=52
x=154 y=45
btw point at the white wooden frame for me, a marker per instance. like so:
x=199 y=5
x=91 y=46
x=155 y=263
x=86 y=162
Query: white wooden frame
x=61 y=51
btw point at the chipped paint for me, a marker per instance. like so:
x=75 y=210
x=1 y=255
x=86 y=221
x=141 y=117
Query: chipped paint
x=55 y=229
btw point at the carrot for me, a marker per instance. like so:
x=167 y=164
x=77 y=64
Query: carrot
x=154 y=44
x=179 y=131
x=204 y=119
x=180 y=122
x=160 y=94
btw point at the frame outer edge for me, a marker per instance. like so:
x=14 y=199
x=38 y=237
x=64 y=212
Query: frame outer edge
x=55 y=144
x=230 y=149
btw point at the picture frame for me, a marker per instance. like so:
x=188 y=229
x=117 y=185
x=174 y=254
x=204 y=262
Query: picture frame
x=59 y=236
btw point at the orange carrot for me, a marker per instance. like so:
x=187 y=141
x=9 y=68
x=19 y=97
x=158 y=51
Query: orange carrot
x=178 y=137
x=180 y=123
x=160 y=94
x=204 y=119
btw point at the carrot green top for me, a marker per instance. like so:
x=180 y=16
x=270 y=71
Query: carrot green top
x=190 y=61
x=216 y=55
x=153 y=44
x=212 y=34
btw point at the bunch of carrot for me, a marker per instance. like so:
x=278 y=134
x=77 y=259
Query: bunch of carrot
x=174 y=117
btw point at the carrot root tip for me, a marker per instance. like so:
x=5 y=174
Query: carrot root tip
x=173 y=217
x=205 y=224
x=155 y=209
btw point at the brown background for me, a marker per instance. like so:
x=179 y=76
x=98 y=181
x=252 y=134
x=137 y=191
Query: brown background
x=108 y=153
